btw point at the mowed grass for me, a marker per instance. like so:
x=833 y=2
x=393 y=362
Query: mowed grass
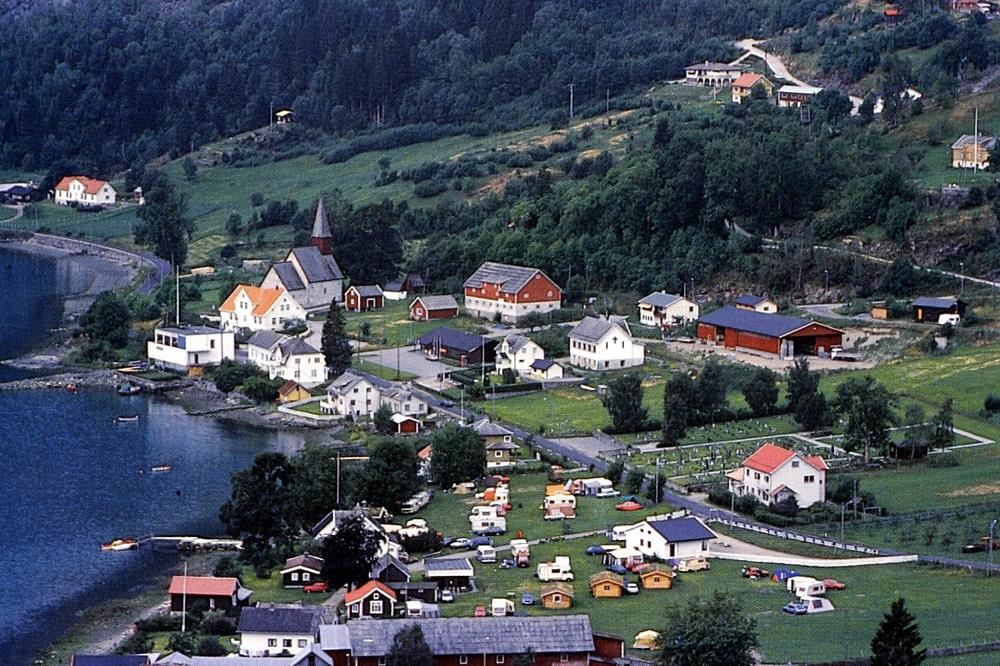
x=270 y=589
x=382 y=371
x=449 y=513
x=951 y=606
x=391 y=326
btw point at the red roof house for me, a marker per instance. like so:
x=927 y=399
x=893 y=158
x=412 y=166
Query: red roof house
x=205 y=591
x=373 y=599
x=773 y=474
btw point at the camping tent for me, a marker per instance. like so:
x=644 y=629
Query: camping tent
x=646 y=640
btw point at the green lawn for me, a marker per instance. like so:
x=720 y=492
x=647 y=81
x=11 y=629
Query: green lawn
x=966 y=613
x=392 y=327
x=449 y=513
x=310 y=408
x=365 y=365
x=784 y=545
x=270 y=589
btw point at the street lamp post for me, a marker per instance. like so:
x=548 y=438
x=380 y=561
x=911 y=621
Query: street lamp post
x=989 y=548
x=826 y=280
x=961 y=265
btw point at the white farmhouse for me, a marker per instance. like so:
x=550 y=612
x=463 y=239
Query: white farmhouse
x=269 y=630
x=713 y=74
x=669 y=538
x=773 y=474
x=602 y=344
x=186 y=347
x=287 y=357
x=259 y=309
x=351 y=395
x=402 y=401
x=664 y=310
x=84 y=191
x=756 y=303
x=517 y=353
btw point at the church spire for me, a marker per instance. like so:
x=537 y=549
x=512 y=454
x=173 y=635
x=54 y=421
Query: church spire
x=321 y=236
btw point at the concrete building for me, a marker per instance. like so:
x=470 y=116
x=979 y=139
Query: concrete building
x=713 y=74
x=184 y=348
x=602 y=344
x=510 y=292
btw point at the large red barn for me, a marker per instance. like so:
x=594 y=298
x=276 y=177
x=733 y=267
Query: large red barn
x=735 y=328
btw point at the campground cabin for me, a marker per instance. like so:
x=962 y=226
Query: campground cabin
x=427 y=308
x=655 y=576
x=557 y=596
x=606 y=585
x=646 y=640
x=786 y=337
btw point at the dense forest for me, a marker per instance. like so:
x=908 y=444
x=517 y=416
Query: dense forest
x=109 y=83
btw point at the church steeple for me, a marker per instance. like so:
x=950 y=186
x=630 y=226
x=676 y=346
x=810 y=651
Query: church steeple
x=321 y=236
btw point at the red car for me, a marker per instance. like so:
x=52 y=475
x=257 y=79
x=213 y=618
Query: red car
x=316 y=587
x=832 y=584
x=629 y=506
x=480 y=611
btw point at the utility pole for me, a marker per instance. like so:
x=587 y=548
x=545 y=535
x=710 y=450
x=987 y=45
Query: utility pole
x=989 y=548
x=270 y=117
x=961 y=266
x=975 y=145
x=571 y=100
x=184 y=600
x=607 y=101
x=656 y=482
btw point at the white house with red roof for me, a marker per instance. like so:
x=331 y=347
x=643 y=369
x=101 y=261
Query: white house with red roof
x=773 y=473
x=84 y=190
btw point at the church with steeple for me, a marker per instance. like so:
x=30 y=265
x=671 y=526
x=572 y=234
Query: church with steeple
x=310 y=274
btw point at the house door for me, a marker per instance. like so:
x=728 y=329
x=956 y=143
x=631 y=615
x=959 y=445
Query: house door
x=673 y=549
x=369 y=303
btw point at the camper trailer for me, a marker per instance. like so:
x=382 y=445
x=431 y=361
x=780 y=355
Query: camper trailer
x=488 y=525
x=805 y=586
x=416 y=503
x=500 y=607
x=520 y=552
x=486 y=554
x=559 y=569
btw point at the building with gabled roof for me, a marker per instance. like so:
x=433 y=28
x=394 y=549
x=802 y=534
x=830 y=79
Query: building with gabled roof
x=516 y=353
x=713 y=74
x=510 y=292
x=352 y=395
x=552 y=639
x=373 y=599
x=546 y=368
x=288 y=357
x=743 y=329
x=310 y=274
x=449 y=573
x=211 y=592
x=81 y=190
x=259 y=308
x=666 y=538
x=772 y=474
x=459 y=346
x=744 y=85
x=972 y=151
x=274 y=629
x=426 y=308
x=556 y=595
x=663 y=310
x=364 y=297
x=790 y=96
x=930 y=308
x=301 y=570
x=600 y=343
x=756 y=303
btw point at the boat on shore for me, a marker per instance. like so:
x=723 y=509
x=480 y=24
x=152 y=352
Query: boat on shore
x=120 y=544
x=71 y=388
x=162 y=468
x=128 y=388
x=133 y=418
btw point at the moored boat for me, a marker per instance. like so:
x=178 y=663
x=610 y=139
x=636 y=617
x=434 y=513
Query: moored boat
x=127 y=388
x=71 y=388
x=127 y=419
x=120 y=544
x=162 y=468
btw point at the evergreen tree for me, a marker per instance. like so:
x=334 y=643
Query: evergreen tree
x=335 y=343
x=813 y=412
x=944 y=425
x=896 y=641
x=677 y=397
x=801 y=383
x=710 y=392
x=164 y=225
x=624 y=402
x=409 y=648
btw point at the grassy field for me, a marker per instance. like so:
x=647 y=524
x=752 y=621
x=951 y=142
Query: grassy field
x=449 y=513
x=966 y=613
x=310 y=408
x=392 y=327
x=784 y=545
x=380 y=370
x=270 y=589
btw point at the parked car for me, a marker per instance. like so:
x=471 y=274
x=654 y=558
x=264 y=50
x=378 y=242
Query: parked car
x=460 y=542
x=694 y=564
x=833 y=584
x=617 y=568
x=631 y=587
x=319 y=586
x=479 y=612
x=528 y=599
x=753 y=573
x=795 y=608
x=476 y=542
x=595 y=550
x=506 y=564
x=447 y=596
x=447 y=403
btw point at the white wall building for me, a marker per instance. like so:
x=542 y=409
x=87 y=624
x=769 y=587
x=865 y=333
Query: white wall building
x=670 y=538
x=714 y=74
x=510 y=291
x=517 y=353
x=351 y=395
x=269 y=630
x=756 y=303
x=287 y=357
x=312 y=278
x=773 y=474
x=259 y=309
x=185 y=347
x=85 y=191
x=664 y=310
x=602 y=344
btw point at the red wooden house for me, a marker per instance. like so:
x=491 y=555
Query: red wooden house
x=426 y=308
x=362 y=298
x=735 y=328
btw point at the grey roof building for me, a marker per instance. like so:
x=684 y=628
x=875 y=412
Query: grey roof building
x=660 y=299
x=510 y=278
x=276 y=619
x=592 y=329
x=443 y=302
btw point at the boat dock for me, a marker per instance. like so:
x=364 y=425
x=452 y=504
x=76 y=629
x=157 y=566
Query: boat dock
x=192 y=543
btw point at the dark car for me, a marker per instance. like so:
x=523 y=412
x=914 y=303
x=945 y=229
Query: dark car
x=595 y=550
x=617 y=568
x=476 y=542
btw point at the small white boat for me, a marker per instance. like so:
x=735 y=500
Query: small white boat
x=127 y=419
x=162 y=468
x=120 y=544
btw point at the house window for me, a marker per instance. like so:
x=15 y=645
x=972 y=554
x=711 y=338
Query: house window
x=795 y=463
x=557 y=598
x=376 y=608
x=499 y=454
x=286 y=642
x=302 y=642
x=356 y=608
x=564 y=657
x=809 y=479
x=272 y=642
x=381 y=661
x=463 y=659
x=295 y=576
x=305 y=577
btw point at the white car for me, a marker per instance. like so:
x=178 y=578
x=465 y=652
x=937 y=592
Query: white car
x=631 y=587
x=447 y=596
x=460 y=542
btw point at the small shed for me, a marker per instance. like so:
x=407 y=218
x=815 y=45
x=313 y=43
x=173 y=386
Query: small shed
x=928 y=309
x=879 y=310
x=284 y=117
x=426 y=308
x=406 y=425
x=449 y=573
x=646 y=640
x=364 y=297
x=546 y=368
x=557 y=596
x=606 y=585
x=656 y=577
x=292 y=391
x=301 y=570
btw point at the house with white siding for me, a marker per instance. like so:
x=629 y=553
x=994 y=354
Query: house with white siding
x=184 y=348
x=773 y=474
x=288 y=357
x=259 y=308
x=599 y=343
x=666 y=538
x=84 y=191
x=517 y=353
x=663 y=310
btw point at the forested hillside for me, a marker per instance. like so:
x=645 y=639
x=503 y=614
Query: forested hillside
x=108 y=83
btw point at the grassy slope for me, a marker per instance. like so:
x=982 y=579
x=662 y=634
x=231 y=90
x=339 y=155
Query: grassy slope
x=392 y=327
x=965 y=613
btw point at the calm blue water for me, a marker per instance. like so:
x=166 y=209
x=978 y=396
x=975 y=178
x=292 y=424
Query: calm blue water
x=69 y=479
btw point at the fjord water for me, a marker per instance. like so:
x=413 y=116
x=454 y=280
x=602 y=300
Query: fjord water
x=69 y=479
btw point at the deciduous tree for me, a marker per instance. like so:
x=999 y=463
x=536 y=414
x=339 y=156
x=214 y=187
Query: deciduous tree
x=459 y=454
x=349 y=553
x=409 y=648
x=390 y=476
x=257 y=508
x=708 y=631
x=761 y=392
x=678 y=395
x=868 y=408
x=107 y=320
x=164 y=224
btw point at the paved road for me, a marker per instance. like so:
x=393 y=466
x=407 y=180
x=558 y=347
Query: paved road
x=828 y=310
x=410 y=360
